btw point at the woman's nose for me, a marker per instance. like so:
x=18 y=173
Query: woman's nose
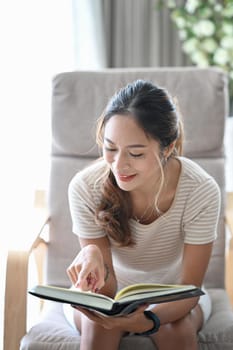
x=121 y=161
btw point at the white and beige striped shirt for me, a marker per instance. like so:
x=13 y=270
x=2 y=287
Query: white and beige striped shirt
x=157 y=254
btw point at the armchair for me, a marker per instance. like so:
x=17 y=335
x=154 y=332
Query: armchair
x=77 y=100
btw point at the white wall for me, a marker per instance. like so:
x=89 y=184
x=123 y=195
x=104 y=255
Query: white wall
x=36 y=43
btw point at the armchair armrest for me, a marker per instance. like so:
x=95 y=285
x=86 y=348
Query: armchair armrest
x=16 y=283
x=229 y=211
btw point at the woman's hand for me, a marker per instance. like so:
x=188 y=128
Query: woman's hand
x=87 y=271
x=136 y=322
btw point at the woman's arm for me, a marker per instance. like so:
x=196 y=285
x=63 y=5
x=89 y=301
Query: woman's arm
x=92 y=268
x=194 y=266
x=195 y=262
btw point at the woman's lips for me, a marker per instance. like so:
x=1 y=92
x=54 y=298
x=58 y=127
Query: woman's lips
x=126 y=178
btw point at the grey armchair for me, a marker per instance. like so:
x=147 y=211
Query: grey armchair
x=78 y=99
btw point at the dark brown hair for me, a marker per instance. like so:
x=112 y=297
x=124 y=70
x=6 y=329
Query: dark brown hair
x=154 y=111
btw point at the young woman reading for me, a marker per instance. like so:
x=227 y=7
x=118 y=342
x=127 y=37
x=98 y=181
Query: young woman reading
x=143 y=213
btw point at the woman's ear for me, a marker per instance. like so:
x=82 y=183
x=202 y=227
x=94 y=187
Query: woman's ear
x=169 y=149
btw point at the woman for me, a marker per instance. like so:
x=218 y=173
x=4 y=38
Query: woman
x=143 y=213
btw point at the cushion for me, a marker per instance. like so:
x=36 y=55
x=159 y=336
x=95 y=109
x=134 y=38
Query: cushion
x=80 y=97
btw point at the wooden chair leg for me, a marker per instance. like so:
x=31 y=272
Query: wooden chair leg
x=15 y=299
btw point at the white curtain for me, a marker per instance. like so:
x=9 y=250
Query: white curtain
x=125 y=33
x=88 y=32
x=137 y=34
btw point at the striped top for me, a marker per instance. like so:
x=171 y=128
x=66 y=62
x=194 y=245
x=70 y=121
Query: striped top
x=157 y=255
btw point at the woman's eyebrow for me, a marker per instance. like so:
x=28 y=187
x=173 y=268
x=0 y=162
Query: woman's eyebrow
x=136 y=145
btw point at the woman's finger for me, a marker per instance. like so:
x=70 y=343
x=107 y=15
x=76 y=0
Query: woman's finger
x=73 y=272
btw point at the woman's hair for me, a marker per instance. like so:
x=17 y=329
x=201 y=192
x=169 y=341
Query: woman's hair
x=154 y=111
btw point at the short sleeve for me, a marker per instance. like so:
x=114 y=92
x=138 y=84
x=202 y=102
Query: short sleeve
x=202 y=213
x=82 y=202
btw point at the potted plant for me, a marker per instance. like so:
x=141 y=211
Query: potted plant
x=206 y=31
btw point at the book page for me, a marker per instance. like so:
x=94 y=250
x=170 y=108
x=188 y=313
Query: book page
x=73 y=296
x=156 y=289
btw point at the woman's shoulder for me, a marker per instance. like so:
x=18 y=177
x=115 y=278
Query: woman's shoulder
x=193 y=170
x=194 y=175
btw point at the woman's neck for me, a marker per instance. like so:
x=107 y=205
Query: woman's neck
x=145 y=208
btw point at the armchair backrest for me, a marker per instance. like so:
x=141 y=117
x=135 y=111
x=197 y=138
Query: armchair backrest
x=79 y=98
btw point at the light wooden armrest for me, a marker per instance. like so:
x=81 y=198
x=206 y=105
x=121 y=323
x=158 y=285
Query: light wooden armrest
x=229 y=211
x=16 y=292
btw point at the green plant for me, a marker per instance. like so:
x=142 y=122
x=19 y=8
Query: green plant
x=206 y=31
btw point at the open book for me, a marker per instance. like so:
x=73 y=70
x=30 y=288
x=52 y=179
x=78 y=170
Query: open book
x=125 y=301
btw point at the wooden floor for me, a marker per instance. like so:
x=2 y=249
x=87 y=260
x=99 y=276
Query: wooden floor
x=229 y=253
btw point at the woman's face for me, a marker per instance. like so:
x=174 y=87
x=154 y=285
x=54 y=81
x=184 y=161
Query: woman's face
x=130 y=154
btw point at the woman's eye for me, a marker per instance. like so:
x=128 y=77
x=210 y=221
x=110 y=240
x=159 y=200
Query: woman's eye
x=136 y=155
x=108 y=149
